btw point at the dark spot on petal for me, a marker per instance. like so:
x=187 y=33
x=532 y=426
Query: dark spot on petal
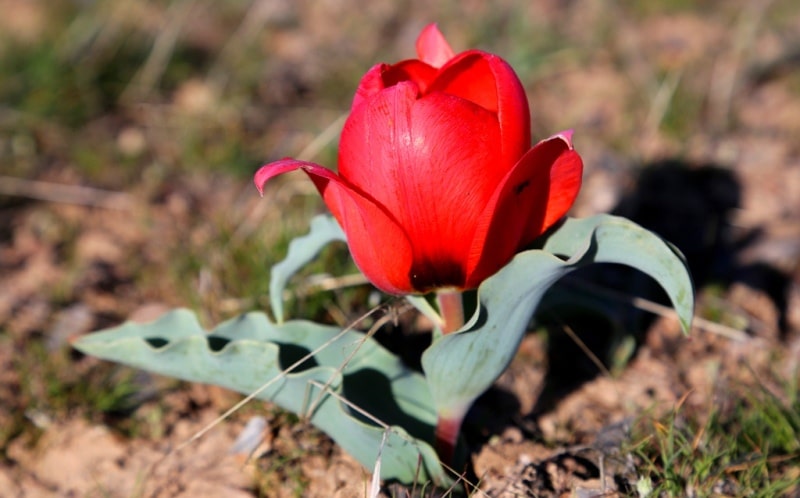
x=522 y=186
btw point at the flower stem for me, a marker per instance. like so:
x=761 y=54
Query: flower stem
x=451 y=308
x=447 y=430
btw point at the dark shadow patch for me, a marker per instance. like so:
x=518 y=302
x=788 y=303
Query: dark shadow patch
x=688 y=205
x=491 y=413
x=371 y=390
x=404 y=340
x=156 y=342
x=289 y=354
x=216 y=343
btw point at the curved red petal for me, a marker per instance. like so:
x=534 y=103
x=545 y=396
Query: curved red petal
x=380 y=248
x=490 y=82
x=566 y=176
x=382 y=76
x=432 y=163
x=410 y=70
x=534 y=195
x=269 y=171
x=469 y=76
x=432 y=47
x=370 y=84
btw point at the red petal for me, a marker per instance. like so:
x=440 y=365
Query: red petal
x=490 y=82
x=469 y=76
x=410 y=70
x=431 y=162
x=432 y=47
x=370 y=84
x=379 y=246
x=536 y=193
x=383 y=76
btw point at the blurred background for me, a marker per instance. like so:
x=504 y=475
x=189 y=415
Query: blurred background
x=129 y=133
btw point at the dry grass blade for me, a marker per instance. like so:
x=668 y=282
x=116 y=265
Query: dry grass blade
x=375 y=481
x=664 y=311
x=309 y=152
x=320 y=283
x=728 y=78
x=588 y=352
x=389 y=317
x=252 y=24
x=661 y=101
x=163 y=47
x=322 y=139
x=65 y=194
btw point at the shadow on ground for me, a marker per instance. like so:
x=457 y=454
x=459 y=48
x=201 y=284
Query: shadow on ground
x=689 y=205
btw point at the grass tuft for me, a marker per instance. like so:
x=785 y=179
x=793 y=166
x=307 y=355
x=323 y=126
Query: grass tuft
x=749 y=448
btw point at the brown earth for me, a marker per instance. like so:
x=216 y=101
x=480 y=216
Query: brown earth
x=727 y=191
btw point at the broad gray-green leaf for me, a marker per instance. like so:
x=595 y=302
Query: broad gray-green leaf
x=619 y=240
x=324 y=230
x=460 y=366
x=249 y=351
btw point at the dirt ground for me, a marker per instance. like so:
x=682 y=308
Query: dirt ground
x=726 y=192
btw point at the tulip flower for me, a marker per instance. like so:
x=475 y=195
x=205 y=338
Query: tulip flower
x=438 y=185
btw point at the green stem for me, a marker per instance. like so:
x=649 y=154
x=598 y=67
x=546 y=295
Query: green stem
x=451 y=308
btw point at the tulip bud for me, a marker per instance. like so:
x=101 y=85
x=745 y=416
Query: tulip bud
x=438 y=185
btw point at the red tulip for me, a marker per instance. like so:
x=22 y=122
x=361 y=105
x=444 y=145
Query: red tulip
x=438 y=186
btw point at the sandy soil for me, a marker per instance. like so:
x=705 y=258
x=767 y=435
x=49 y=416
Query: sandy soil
x=728 y=196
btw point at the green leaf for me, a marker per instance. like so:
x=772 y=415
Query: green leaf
x=423 y=306
x=247 y=352
x=619 y=240
x=460 y=366
x=324 y=230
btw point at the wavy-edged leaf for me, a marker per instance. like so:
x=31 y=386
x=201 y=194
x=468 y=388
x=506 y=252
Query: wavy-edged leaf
x=619 y=240
x=460 y=366
x=324 y=230
x=246 y=352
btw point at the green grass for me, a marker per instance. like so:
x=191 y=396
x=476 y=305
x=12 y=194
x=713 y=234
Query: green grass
x=51 y=386
x=751 y=447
